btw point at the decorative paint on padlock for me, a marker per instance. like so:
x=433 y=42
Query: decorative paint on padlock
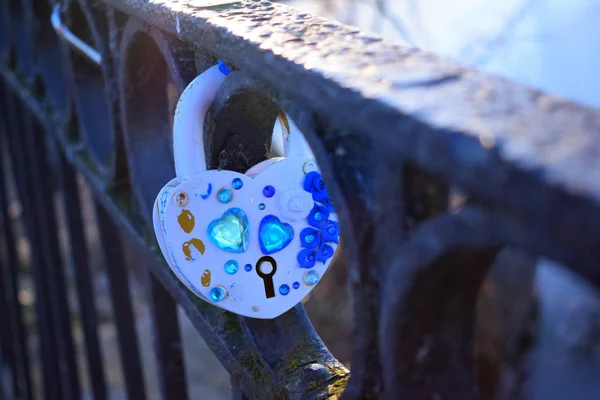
x=205 y=278
x=186 y=221
x=207 y=192
x=193 y=248
x=160 y=229
x=254 y=243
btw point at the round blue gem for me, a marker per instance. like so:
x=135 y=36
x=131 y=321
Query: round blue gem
x=231 y=267
x=310 y=238
x=224 y=195
x=306 y=258
x=269 y=191
x=261 y=206
x=296 y=285
x=318 y=216
x=311 y=277
x=217 y=294
x=237 y=183
x=248 y=267
x=331 y=231
x=284 y=289
x=324 y=253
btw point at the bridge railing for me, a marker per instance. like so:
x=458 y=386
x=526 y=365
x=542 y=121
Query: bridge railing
x=395 y=131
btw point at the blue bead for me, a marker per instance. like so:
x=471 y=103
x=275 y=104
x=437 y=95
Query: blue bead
x=225 y=70
x=261 y=206
x=331 y=231
x=311 y=180
x=217 y=294
x=269 y=191
x=231 y=232
x=248 y=267
x=296 y=285
x=274 y=235
x=237 y=183
x=284 y=289
x=306 y=258
x=318 y=216
x=314 y=183
x=231 y=267
x=224 y=195
x=310 y=238
x=324 y=253
x=311 y=277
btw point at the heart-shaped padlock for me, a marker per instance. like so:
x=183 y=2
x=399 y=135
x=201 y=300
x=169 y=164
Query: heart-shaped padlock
x=257 y=243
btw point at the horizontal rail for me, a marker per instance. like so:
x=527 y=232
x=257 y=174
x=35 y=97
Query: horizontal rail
x=358 y=79
x=494 y=138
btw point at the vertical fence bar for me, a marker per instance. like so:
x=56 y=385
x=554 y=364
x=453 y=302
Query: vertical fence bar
x=7 y=353
x=85 y=293
x=15 y=328
x=43 y=311
x=34 y=142
x=121 y=303
x=167 y=342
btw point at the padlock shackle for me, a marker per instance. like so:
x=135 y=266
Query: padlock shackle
x=188 y=125
x=294 y=142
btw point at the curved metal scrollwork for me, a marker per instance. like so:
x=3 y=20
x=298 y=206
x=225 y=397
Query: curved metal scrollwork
x=95 y=90
x=428 y=318
x=153 y=71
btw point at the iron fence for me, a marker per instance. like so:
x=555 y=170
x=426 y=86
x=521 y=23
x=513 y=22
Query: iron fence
x=394 y=130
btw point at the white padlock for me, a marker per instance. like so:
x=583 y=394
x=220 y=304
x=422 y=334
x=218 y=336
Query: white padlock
x=256 y=243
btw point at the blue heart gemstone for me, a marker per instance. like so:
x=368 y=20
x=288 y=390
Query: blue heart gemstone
x=274 y=235
x=231 y=232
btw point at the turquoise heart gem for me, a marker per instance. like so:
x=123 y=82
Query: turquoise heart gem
x=274 y=235
x=231 y=232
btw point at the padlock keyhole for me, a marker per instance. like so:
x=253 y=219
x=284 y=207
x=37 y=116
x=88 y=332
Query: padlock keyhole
x=266 y=268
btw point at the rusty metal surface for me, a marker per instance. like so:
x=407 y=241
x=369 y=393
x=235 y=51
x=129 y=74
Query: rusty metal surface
x=393 y=129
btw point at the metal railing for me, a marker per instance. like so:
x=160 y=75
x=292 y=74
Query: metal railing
x=394 y=130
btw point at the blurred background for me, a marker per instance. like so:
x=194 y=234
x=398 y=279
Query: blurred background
x=548 y=44
x=538 y=327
